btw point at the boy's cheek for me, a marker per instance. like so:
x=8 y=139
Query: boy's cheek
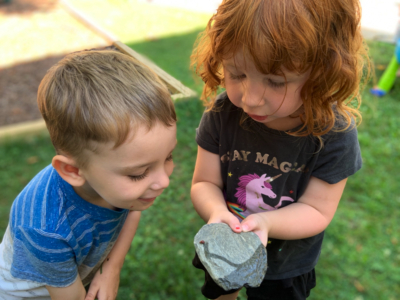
x=170 y=169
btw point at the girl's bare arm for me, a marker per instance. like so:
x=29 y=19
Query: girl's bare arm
x=305 y=218
x=206 y=191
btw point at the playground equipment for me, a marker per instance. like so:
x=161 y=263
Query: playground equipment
x=386 y=82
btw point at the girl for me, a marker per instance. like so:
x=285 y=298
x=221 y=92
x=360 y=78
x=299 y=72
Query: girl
x=276 y=148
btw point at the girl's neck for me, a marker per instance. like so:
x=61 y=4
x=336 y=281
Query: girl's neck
x=284 y=124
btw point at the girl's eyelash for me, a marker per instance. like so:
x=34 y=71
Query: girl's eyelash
x=276 y=84
x=270 y=82
x=138 y=177
x=237 y=77
x=170 y=157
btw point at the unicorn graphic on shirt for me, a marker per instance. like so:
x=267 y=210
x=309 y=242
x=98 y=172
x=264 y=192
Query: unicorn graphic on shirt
x=249 y=194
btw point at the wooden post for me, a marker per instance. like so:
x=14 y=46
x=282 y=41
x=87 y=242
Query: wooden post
x=176 y=88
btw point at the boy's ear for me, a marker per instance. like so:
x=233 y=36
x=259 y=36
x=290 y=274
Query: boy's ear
x=65 y=166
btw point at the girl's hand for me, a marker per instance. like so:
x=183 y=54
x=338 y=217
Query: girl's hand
x=258 y=224
x=224 y=216
x=104 y=285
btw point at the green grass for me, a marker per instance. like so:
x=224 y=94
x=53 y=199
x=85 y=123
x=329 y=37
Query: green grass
x=360 y=257
x=133 y=20
x=173 y=55
x=20 y=161
x=159 y=263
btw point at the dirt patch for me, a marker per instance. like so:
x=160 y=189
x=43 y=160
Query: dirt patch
x=25 y=6
x=34 y=34
x=18 y=88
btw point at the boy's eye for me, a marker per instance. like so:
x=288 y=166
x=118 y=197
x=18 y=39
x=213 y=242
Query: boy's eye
x=138 y=177
x=275 y=84
x=169 y=158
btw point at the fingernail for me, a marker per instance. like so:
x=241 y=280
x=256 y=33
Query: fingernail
x=245 y=228
x=237 y=227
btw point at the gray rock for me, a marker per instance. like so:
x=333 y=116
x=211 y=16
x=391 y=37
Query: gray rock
x=232 y=259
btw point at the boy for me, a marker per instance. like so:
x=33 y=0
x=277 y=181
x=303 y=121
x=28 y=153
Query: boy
x=112 y=123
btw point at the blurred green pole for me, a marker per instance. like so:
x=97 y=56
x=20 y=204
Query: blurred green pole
x=389 y=76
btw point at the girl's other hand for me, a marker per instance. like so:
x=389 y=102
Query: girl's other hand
x=258 y=224
x=224 y=216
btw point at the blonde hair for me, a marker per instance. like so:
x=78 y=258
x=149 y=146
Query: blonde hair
x=322 y=36
x=100 y=96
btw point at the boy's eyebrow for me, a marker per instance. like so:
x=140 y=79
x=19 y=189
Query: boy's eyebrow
x=133 y=168
x=130 y=168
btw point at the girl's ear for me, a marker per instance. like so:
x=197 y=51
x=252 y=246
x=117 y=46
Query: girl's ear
x=65 y=166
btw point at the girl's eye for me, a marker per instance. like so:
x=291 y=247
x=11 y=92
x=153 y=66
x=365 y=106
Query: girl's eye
x=275 y=84
x=236 y=77
x=138 y=177
x=169 y=158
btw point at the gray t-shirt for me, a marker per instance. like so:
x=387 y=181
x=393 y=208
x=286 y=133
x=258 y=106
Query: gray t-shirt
x=265 y=169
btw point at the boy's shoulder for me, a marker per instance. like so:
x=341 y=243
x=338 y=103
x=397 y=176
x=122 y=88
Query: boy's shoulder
x=42 y=203
x=53 y=231
x=32 y=201
x=50 y=204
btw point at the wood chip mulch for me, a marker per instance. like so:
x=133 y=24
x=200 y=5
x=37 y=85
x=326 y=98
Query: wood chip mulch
x=35 y=35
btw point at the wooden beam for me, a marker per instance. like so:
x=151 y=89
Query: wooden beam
x=176 y=88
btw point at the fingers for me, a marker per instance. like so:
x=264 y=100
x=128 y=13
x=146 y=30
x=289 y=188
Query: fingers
x=254 y=223
x=249 y=224
x=234 y=224
x=91 y=294
x=227 y=218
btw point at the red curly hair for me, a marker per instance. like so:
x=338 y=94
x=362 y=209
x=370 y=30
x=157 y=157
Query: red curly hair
x=320 y=36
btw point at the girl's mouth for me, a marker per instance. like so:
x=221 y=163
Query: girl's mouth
x=258 y=118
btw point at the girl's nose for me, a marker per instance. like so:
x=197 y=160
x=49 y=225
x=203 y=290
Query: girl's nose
x=161 y=181
x=253 y=94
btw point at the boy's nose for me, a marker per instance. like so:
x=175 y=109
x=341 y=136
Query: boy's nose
x=161 y=181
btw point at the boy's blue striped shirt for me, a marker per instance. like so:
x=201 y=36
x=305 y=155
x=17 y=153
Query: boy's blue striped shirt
x=56 y=234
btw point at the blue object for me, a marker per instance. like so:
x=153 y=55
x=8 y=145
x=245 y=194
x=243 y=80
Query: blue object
x=397 y=51
x=377 y=92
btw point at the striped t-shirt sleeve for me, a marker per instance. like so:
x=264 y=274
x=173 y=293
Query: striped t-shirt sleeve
x=43 y=257
x=39 y=253
x=55 y=234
